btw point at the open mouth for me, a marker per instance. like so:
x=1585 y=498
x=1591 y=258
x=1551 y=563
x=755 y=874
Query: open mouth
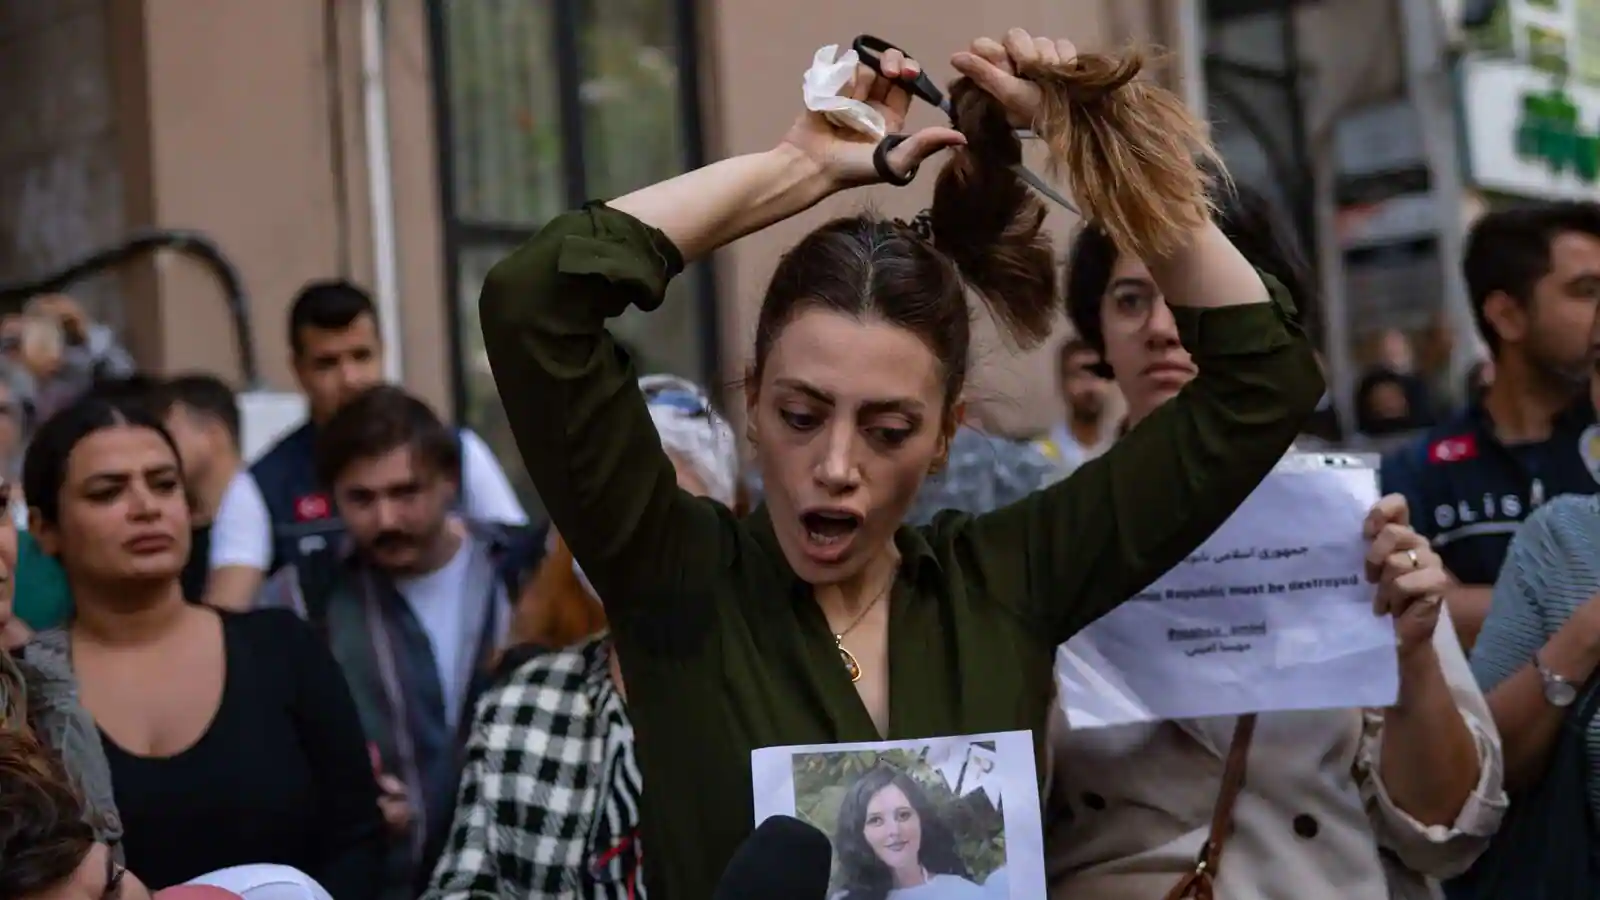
x=895 y=847
x=826 y=528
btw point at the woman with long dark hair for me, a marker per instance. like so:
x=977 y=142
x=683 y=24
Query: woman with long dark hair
x=783 y=627
x=891 y=843
x=232 y=738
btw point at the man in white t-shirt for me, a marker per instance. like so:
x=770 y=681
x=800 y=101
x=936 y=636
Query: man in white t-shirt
x=414 y=600
x=283 y=511
x=202 y=415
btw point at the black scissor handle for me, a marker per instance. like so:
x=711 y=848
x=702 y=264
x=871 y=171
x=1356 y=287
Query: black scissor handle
x=880 y=161
x=871 y=50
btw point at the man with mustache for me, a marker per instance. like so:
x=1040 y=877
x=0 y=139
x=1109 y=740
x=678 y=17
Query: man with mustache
x=414 y=600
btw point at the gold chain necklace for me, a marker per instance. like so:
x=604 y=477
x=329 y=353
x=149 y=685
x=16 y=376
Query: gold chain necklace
x=851 y=665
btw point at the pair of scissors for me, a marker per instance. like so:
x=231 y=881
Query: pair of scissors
x=870 y=51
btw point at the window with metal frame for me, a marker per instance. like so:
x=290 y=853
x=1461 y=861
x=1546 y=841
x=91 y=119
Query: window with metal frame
x=542 y=105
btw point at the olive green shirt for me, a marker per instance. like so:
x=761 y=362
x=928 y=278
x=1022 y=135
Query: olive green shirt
x=721 y=644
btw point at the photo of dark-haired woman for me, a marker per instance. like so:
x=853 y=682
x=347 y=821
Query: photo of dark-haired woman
x=892 y=844
x=895 y=838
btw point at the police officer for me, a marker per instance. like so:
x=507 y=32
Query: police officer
x=1533 y=275
x=282 y=511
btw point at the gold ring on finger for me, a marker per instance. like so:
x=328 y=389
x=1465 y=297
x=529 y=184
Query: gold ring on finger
x=1412 y=555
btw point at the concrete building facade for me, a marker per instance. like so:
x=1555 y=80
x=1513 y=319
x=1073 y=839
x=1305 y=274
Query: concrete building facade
x=407 y=144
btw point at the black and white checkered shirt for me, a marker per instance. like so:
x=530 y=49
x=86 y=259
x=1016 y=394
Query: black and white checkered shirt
x=549 y=802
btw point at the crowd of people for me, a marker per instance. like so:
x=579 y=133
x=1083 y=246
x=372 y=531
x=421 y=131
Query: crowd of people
x=354 y=668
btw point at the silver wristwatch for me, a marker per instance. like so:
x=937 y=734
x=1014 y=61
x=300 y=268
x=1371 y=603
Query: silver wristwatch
x=1558 y=691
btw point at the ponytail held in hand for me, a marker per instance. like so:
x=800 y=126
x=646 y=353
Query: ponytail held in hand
x=990 y=224
x=1134 y=156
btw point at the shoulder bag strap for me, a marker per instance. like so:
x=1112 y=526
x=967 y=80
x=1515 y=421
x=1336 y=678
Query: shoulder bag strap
x=1199 y=884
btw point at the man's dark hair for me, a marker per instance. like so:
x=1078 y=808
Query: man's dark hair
x=1509 y=251
x=383 y=419
x=207 y=395
x=329 y=306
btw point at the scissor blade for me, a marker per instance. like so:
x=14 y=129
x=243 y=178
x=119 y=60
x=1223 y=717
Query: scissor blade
x=1040 y=185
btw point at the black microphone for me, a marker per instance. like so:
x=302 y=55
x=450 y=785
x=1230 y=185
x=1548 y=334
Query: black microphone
x=785 y=859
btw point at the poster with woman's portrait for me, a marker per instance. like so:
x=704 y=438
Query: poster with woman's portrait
x=953 y=818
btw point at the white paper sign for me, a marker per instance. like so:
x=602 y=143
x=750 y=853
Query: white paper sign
x=1273 y=612
x=955 y=817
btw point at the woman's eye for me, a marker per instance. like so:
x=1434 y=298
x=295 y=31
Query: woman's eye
x=164 y=485
x=891 y=437
x=905 y=815
x=104 y=495
x=874 y=820
x=799 y=421
x=1131 y=302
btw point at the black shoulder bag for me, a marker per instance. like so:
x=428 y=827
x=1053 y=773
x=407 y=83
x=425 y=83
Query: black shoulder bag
x=1546 y=845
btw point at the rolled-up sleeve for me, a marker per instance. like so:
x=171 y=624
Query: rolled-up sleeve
x=572 y=399
x=1439 y=851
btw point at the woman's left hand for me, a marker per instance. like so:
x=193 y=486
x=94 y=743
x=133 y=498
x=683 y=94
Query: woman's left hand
x=1411 y=578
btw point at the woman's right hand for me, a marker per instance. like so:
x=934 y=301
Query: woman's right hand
x=844 y=154
x=993 y=65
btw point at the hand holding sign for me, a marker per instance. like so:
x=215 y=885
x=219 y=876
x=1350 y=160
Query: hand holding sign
x=1411 y=578
x=1271 y=613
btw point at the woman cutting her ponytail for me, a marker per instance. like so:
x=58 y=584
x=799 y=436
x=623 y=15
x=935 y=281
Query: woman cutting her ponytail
x=784 y=627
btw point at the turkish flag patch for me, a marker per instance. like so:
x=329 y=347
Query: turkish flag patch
x=311 y=508
x=1453 y=449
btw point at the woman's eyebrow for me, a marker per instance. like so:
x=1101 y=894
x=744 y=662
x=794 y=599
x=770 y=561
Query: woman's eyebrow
x=801 y=387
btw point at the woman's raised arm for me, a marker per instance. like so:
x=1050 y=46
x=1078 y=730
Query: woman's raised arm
x=1075 y=550
x=571 y=395
x=709 y=208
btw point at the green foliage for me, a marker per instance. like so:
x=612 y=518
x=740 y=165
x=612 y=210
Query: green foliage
x=821 y=781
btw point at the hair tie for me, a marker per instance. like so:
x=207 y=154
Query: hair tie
x=921 y=225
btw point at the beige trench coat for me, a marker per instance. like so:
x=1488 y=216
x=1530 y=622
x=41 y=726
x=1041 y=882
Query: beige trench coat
x=1129 y=807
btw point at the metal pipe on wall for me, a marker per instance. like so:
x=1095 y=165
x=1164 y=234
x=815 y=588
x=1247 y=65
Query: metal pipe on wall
x=1431 y=89
x=1341 y=370
x=1192 y=52
x=380 y=186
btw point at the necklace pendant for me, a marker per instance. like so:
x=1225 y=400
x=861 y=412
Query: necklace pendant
x=849 y=659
